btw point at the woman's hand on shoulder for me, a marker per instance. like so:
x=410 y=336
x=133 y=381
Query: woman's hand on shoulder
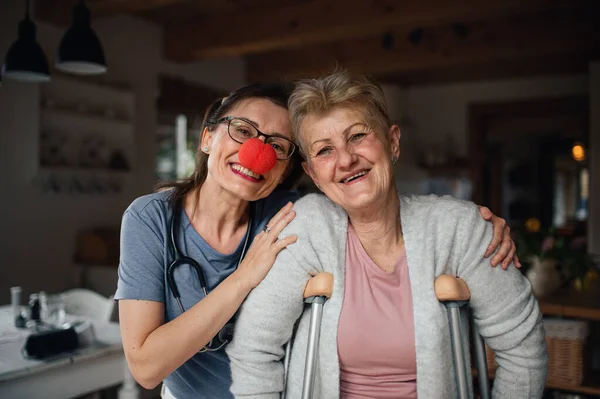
x=265 y=247
x=501 y=241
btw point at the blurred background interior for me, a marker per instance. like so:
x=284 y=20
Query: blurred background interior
x=498 y=102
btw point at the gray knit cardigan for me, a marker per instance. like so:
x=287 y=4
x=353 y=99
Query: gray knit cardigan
x=442 y=236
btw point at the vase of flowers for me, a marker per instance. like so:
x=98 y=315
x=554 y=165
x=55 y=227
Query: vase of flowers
x=543 y=275
x=552 y=258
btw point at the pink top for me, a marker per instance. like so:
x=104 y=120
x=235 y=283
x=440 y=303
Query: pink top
x=376 y=333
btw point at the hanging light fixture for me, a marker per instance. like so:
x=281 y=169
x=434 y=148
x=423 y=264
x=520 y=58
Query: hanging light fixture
x=80 y=50
x=25 y=59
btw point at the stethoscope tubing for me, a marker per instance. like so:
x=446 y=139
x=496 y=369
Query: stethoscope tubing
x=180 y=259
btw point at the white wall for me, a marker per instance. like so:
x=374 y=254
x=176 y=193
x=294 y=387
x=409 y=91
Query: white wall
x=409 y=177
x=435 y=112
x=37 y=231
x=440 y=110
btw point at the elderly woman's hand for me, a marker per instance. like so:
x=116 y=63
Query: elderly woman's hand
x=502 y=239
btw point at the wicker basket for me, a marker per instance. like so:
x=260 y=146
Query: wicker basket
x=565 y=340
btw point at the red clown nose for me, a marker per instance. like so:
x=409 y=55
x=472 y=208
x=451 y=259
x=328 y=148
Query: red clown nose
x=257 y=156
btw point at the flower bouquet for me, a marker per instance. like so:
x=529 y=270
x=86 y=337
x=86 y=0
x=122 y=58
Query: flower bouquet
x=559 y=257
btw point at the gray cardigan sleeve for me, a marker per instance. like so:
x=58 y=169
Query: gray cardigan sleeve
x=505 y=311
x=263 y=328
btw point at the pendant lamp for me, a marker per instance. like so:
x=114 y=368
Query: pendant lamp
x=25 y=59
x=80 y=51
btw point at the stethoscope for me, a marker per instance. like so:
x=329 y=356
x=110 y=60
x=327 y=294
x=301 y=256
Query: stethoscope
x=224 y=336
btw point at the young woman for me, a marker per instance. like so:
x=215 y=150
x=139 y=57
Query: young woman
x=190 y=255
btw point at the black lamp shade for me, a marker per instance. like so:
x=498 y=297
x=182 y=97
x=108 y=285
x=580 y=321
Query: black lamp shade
x=80 y=50
x=25 y=59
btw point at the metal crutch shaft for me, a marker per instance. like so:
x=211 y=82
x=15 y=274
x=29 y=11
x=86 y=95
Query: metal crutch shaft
x=454 y=293
x=314 y=329
x=316 y=292
x=480 y=361
x=286 y=365
x=460 y=365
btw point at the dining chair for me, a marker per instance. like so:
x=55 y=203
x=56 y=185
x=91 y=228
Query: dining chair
x=94 y=306
x=89 y=304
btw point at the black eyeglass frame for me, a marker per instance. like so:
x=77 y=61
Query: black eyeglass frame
x=228 y=119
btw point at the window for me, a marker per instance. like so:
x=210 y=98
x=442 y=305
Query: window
x=177 y=146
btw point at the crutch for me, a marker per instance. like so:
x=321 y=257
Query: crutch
x=317 y=291
x=454 y=293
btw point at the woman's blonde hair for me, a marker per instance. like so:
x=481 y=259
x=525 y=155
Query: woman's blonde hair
x=339 y=89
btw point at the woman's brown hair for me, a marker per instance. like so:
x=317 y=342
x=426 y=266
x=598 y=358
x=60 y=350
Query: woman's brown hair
x=278 y=94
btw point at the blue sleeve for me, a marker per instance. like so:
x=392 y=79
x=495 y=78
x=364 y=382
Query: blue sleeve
x=141 y=266
x=277 y=200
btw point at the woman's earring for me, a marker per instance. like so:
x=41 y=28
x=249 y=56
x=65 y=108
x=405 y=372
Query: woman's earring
x=206 y=150
x=394 y=159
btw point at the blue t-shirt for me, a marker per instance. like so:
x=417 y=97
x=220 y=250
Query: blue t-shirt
x=145 y=255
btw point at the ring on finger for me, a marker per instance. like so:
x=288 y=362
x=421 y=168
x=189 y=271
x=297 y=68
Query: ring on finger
x=266 y=229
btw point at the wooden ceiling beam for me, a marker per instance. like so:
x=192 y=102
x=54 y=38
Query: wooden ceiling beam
x=60 y=11
x=541 y=35
x=324 y=21
x=565 y=64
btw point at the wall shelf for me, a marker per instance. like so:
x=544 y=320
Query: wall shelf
x=82 y=171
x=75 y=122
x=74 y=89
x=87 y=140
x=97 y=82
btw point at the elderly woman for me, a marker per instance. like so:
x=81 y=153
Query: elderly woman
x=384 y=334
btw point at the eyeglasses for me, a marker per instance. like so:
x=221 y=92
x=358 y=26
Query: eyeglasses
x=241 y=130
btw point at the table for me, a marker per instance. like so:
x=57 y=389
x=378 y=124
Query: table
x=571 y=303
x=95 y=367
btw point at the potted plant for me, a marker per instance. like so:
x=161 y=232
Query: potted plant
x=552 y=258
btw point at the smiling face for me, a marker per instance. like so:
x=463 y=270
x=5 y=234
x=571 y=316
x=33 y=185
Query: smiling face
x=350 y=160
x=224 y=167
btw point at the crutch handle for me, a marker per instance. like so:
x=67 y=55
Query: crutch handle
x=449 y=288
x=319 y=285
